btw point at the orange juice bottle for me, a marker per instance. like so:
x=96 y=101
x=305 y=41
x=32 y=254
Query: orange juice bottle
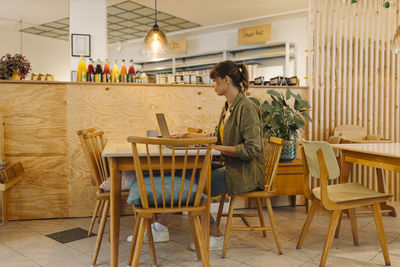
x=123 y=72
x=115 y=72
x=81 y=72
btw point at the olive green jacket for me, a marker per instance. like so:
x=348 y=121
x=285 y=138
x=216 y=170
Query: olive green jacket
x=243 y=130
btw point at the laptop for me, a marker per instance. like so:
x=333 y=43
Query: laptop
x=162 y=124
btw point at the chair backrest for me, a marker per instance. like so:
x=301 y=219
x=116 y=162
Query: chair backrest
x=164 y=190
x=352 y=132
x=311 y=160
x=272 y=154
x=93 y=144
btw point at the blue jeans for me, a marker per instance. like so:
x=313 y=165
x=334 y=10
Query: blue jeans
x=218 y=186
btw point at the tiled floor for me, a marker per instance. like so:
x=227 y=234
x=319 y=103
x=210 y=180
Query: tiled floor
x=24 y=243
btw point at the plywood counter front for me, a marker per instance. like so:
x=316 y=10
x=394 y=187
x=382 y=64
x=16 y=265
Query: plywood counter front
x=41 y=120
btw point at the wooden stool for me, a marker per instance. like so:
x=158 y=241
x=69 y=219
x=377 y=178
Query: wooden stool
x=9 y=177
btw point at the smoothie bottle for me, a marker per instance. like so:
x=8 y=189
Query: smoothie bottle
x=106 y=73
x=90 y=71
x=81 y=72
x=123 y=72
x=115 y=72
x=98 y=71
x=131 y=72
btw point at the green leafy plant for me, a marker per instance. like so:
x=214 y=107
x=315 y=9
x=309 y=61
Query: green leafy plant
x=10 y=65
x=280 y=118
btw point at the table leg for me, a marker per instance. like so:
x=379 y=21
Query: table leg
x=115 y=210
x=345 y=168
x=381 y=188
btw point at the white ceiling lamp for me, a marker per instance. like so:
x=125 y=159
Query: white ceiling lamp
x=155 y=43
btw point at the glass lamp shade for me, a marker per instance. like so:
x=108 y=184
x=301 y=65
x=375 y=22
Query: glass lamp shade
x=396 y=41
x=155 y=43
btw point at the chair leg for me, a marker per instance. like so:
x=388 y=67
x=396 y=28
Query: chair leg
x=307 y=223
x=151 y=241
x=139 y=242
x=100 y=232
x=261 y=216
x=134 y=237
x=4 y=209
x=381 y=232
x=273 y=224
x=228 y=225
x=329 y=237
x=200 y=238
x=220 y=209
x=195 y=240
x=338 y=226
x=100 y=209
x=96 y=209
x=353 y=222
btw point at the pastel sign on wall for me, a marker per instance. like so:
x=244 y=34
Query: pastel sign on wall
x=254 y=34
x=177 y=46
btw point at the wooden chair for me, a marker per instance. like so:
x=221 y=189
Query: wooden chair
x=9 y=176
x=93 y=144
x=320 y=162
x=357 y=134
x=272 y=155
x=167 y=193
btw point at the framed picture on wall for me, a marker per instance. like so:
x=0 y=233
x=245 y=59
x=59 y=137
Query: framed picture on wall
x=80 y=45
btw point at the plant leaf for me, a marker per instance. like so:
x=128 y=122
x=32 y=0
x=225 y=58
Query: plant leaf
x=274 y=93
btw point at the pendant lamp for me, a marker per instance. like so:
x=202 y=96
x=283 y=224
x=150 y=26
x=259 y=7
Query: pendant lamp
x=155 y=43
x=396 y=41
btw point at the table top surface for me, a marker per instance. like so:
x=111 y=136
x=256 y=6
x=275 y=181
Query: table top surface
x=382 y=149
x=124 y=149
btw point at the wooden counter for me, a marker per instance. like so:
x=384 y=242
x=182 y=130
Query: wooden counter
x=41 y=120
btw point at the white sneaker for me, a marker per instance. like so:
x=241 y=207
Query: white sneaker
x=158 y=236
x=216 y=243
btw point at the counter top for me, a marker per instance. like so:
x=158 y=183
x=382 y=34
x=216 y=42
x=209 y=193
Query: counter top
x=142 y=84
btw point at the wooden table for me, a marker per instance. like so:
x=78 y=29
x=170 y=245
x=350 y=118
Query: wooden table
x=121 y=159
x=378 y=155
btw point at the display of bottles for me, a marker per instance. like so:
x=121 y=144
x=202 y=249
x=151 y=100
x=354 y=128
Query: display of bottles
x=131 y=72
x=98 y=72
x=115 y=73
x=81 y=72
x=106 y=73
x=123 y=73
x=90 y=71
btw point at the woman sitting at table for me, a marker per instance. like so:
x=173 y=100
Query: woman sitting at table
x=240 y=142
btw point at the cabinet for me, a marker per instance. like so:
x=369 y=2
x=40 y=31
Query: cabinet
x=289 y=180
x=255 y=54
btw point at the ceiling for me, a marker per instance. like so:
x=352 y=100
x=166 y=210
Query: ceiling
x=130 y=19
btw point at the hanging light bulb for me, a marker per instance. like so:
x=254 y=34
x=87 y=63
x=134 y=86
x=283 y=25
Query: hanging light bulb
x=396 y=41
x=155 y=43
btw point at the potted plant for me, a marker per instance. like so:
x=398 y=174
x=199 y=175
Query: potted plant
x=14 y=67
x=282 y=117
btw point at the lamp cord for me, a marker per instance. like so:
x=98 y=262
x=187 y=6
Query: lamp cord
x=155 y=11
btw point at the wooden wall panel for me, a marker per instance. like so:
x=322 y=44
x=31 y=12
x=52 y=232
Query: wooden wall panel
x=353 y=73
x=35 y=134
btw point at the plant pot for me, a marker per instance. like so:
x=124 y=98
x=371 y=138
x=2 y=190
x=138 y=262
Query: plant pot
x=15 y=76
x=288 y=151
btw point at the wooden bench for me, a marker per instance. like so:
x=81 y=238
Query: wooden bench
x=9 y=176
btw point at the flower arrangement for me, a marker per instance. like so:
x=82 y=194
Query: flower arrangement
x=11 y=65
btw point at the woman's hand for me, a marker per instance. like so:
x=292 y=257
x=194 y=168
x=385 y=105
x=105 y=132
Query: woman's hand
x=180 y=135
x=188 y=135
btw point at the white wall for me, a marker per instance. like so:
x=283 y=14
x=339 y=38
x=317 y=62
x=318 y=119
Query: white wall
x=89 y=17
x=46 y=55
x=288 y=28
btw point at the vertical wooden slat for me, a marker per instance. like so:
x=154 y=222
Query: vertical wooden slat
x=353 y=74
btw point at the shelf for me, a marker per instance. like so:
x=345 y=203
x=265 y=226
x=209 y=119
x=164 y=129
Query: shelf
x=255 y=54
